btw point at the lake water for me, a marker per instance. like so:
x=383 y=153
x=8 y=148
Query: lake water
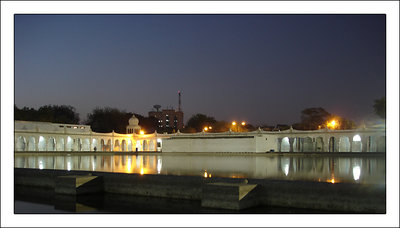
x=323 y=168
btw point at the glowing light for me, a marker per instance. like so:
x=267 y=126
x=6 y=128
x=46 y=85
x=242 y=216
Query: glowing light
x=332 y=180
x=141 y=171
x=286 y=169
x=243 y=123
x=356 y=138
x=286 y=140
x=233 y=123
x=142 y=132
x=333 y=124
x=205 y=174
x=40 y=165
x=206 y=129
x=209 y=175
x=356 y=172
x=210 y=127
x=129 y=165
x=159 y=165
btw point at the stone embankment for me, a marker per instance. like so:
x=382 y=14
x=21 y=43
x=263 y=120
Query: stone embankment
x=215 y=192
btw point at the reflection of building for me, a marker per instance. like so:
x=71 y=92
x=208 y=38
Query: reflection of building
x=169 y=120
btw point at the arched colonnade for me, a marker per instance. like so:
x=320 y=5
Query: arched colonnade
x=51 y=142
x=350 y=142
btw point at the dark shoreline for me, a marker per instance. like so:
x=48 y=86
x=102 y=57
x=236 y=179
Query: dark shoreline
x=342 y=197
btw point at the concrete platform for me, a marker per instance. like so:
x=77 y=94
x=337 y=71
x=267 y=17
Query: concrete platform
x=343 y=197
x=78 y=184
x=234 y=196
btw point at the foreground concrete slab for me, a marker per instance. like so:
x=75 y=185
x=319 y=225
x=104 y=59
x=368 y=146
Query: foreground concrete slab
x=234 y=196
x=77 y=184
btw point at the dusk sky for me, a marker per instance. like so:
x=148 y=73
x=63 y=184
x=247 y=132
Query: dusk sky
x=263 y=69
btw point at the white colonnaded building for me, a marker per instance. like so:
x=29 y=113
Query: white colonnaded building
x=32 y=136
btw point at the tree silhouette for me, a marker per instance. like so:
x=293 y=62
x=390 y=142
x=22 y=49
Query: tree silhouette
x=112 y=119
x=311 y=118
x=380 y=107
x=198 y=121
x=49 y=113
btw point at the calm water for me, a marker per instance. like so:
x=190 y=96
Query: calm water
x=362 y=170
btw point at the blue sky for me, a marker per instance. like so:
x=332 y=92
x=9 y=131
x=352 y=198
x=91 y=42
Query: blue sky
x=263 y=69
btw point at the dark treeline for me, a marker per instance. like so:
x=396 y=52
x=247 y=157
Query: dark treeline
x=102 y=120
x=48 y=113
x=112 y=119
x=317 y=118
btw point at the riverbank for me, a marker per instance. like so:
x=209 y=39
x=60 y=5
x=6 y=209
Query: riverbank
x=343 y=197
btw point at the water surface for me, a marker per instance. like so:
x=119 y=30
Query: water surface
x=333 y=169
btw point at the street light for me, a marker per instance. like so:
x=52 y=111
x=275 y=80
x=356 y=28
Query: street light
x=333 y=124
x=235 y=124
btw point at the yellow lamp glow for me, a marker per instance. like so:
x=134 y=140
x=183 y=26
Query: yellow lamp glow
x=206 y=129
x=333 y=124
x=142 y=132
x=243 y=123
x=233 y=123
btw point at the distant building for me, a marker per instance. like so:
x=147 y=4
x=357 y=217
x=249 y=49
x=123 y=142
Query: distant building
x=169 y=120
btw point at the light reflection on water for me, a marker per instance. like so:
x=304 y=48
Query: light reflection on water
x=364 y=170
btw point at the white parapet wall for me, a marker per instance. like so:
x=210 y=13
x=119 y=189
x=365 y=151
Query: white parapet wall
x=324 y=140
x=210 y=144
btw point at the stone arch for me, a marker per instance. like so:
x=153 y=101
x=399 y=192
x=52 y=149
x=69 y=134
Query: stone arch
x=145 y=146
x=117 y=147
x=129 y=145
x=51 y=144
x=381 y=144
x=344 y=144
x=95 y=145
x=285 y=145
x=319 y=144
x=21 y=144
x=78 y=144
x=41 y=143
x=102 y=145
x=296 y=144
x=308 y=145
x=69 y=144
x=108 y=146
x=60 y=144
x=332 y=144
x=152 y=146
x=86 y=144
x=356 y=144
x=123 y=145
x=138 y=145
x=31 y=144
